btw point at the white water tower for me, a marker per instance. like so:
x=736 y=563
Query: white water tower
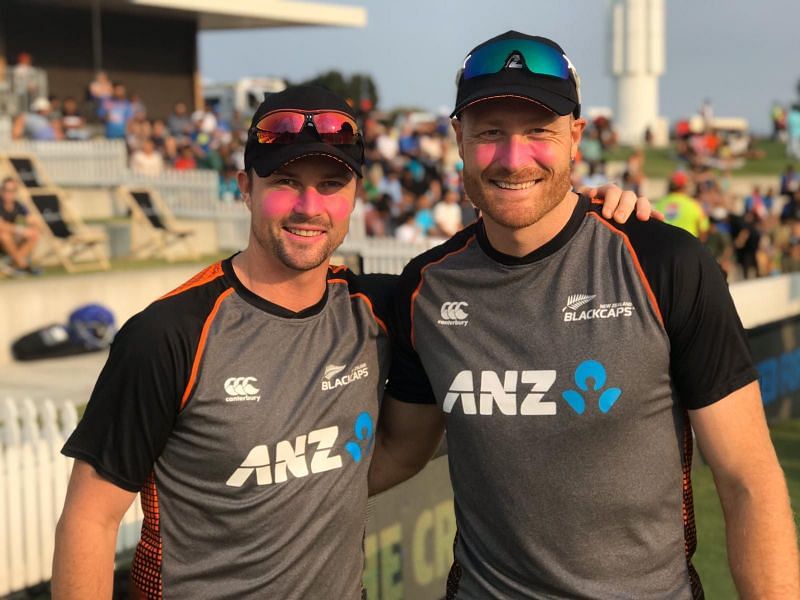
x=637 y=61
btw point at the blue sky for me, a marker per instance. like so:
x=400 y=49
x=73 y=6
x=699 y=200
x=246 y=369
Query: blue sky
x=741 y=54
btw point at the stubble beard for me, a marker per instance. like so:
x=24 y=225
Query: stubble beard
x=299 y=260
x=549 y=192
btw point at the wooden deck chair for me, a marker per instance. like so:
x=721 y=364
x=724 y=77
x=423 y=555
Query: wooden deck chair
x=155 y=232
x=77 y=247
x=26 y=168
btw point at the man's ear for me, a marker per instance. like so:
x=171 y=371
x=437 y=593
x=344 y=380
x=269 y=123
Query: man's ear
x=576 y=131
x=458 y=127
x=245 y=182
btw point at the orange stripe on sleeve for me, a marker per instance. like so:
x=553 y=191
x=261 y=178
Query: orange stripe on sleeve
x=203 y=277
x=414 y=295
x=202 y=345
x=636 y=264
x=380 y=323
x=366 y=299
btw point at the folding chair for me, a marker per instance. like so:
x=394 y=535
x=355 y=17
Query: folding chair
x=28 y=170
x=76 y=247
x=155 y=232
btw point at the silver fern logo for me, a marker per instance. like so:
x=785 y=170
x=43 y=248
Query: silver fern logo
x=332 y=370
x=575 y=301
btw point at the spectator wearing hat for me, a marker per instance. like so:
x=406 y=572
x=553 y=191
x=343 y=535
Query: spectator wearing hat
x=37 y=124
x=680 y=209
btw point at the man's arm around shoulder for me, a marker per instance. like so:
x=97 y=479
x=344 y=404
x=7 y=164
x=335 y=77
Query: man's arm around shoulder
x=408 y=435
x=86 y=535
x=761 y=539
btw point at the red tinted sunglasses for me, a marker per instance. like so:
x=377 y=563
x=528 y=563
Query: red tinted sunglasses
x=284 y=127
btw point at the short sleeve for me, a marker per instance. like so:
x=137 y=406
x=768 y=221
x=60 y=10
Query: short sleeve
x=709 y=354
x=135 y=402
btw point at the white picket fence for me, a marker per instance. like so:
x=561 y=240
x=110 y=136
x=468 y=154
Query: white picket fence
x=33 y=484
x=385 y=255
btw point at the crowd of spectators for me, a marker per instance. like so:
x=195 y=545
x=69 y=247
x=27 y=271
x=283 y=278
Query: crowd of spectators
x=412 y=186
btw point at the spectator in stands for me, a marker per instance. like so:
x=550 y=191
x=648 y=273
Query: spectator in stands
x=26 y=80
x=186 y=159
x=179 y=122
x=447 y=214
x=18 y=235
x=424 y=217
x=793 y=132
x=682 y=210
x=377 y=218
x=147 y=161
x=719 y=244
x=72 y=122
x=790 y=182
x=159 y=134
x=100 y=89
x=228 y=187
x=791 y=258
x=116 y=111
x=747 y=241
x=408 y=230
x=37 y=124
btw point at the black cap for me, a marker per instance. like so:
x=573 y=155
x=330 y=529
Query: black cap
x=558 y=95
x=265 y=158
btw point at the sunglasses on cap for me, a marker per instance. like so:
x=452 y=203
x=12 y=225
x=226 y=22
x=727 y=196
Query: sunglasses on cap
x=537 y=57
x=285 y=126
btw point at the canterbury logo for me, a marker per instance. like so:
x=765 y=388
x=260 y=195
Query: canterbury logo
x=332 y=370
x=575 y=301
x=241 y=389
x=453 y=313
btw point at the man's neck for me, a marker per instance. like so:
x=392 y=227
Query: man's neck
x=521 y=242
x=291 y=289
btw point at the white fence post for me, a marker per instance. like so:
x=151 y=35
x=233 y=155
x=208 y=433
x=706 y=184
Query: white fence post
x=33 y=485
x=12 y=439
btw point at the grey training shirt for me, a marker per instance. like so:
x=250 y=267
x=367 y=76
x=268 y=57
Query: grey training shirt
x=248 y=430
x=565 y=377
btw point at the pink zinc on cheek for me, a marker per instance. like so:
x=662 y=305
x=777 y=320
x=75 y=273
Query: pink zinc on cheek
x=485 y=154
x=278 y=203
x=544 y=153
x=338 y=207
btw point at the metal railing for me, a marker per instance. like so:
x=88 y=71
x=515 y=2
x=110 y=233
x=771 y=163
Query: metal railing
x=33 y=485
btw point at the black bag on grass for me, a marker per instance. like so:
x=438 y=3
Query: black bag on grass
x=90 y=328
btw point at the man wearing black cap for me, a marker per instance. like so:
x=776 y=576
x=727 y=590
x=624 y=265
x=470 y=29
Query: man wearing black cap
x=569 y=358
x=242 y=404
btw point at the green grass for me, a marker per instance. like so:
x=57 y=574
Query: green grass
x=130 y=264
x=661 y=162
x=711 y=557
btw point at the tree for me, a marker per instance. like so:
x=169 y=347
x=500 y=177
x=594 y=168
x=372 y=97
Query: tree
x=359 y=89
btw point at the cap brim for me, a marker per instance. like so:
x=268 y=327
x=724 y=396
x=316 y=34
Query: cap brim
x=550 y=100
x=278 y=156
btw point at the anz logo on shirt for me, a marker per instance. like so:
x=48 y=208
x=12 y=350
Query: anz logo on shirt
x=308 y=454
x=524 y=392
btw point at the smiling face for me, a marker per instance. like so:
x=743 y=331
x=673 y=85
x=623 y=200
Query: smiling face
x=517 y=157
x=300 y=213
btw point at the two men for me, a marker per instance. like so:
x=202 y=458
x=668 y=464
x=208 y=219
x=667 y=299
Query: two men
x=243 y=404
x=570 y=358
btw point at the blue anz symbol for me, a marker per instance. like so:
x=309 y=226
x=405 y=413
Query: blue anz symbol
x=591 y=369
x=365 y=435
